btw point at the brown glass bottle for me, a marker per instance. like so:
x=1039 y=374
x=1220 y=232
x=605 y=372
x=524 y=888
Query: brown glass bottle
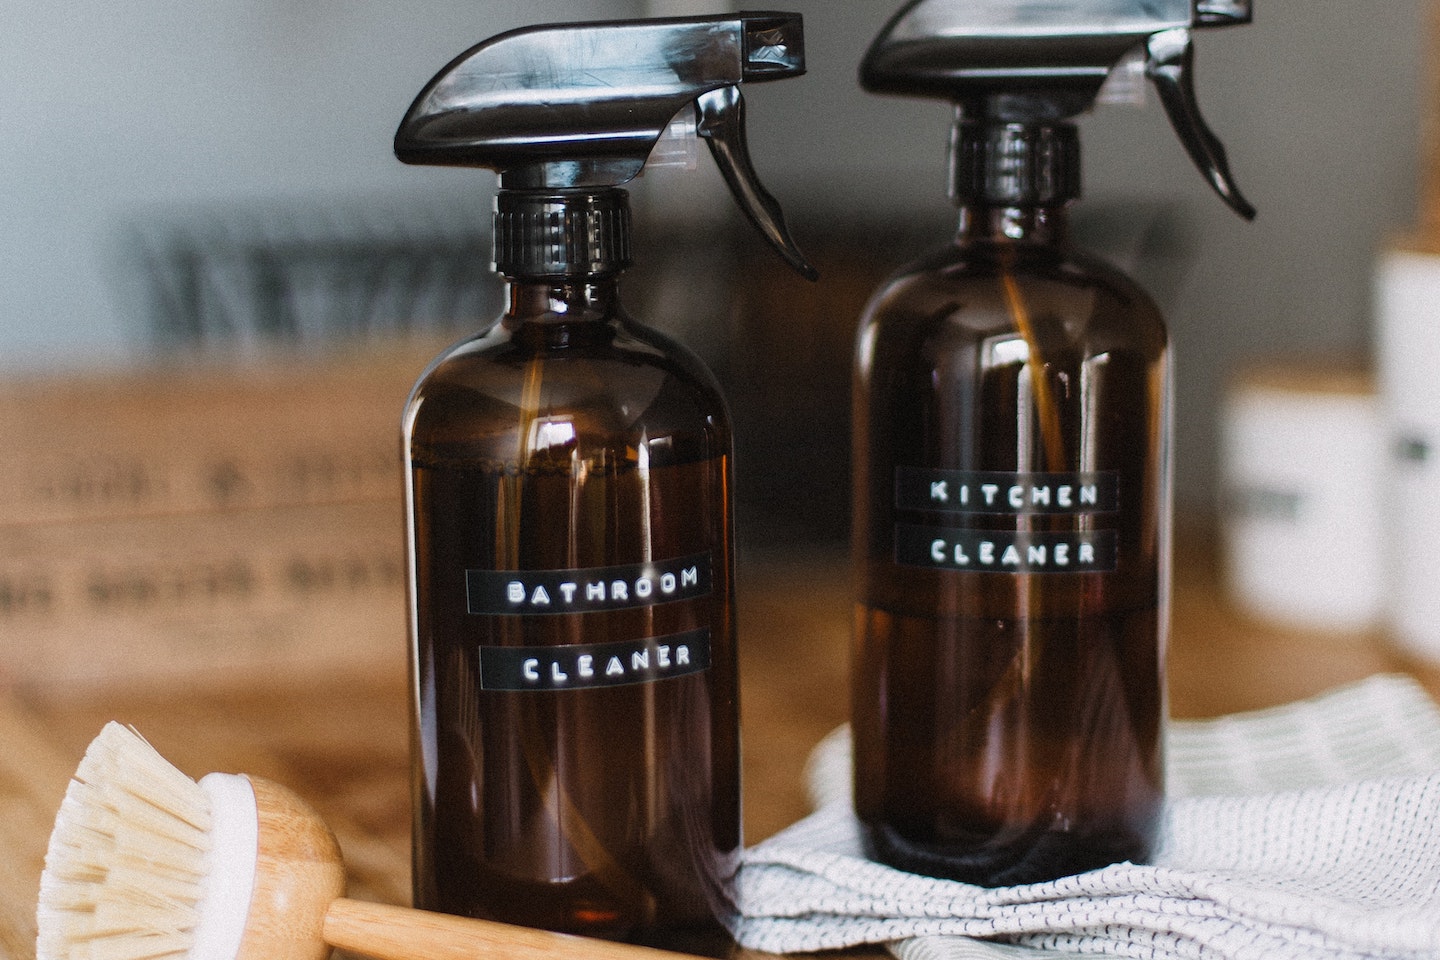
x=576 y=723
x=1010 y=547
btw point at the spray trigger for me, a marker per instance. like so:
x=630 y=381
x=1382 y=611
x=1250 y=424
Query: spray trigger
x=1170 y=59
x=720 y=120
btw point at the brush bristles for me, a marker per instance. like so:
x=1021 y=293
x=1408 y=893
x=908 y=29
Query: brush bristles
x=125 y=869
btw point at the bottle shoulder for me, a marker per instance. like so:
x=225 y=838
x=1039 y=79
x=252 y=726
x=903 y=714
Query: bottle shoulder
x=597 y=384
x=974 y=292
x=507 y=351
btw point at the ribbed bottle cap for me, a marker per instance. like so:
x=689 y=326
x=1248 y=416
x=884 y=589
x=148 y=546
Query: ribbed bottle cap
x=1015 y=164
x=562 y=234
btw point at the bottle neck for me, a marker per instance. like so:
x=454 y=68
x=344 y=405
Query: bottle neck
x=554 y=300
x=1040 y=225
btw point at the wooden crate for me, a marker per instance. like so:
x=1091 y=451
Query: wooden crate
x=204 y=525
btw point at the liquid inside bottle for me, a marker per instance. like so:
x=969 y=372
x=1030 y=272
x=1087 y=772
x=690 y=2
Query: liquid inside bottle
x=1011 y=555
x=575 y=680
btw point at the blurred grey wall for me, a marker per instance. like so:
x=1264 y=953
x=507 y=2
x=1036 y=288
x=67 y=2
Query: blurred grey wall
x=113 y=112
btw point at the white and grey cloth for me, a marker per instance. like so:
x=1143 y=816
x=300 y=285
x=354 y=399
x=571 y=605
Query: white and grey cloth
x=1306 y=831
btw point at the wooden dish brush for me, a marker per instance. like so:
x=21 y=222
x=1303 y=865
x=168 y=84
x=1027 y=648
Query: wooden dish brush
x=145 y=863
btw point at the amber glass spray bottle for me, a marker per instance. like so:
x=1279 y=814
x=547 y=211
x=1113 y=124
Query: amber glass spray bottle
x=1011 y=406
x=576 y=730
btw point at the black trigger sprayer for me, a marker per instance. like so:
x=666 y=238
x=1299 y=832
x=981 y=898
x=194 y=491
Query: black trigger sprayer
x=1011 y=508
x=569 y=488
x=1043 y=61
x=580 y=107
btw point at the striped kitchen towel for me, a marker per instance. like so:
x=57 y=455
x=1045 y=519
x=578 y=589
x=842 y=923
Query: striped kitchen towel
x=1306 y=831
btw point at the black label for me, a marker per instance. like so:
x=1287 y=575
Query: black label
x=992 y=492
x=585 y=666
x=1005 y=551
x=529 y=592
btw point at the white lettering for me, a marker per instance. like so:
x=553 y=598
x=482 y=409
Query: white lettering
x=1017 y=552
x=989 y=489
x=646 y=587
x=940 y=491
x=1040 y=496
x=1090 y=494
x=1017 y=497
x=1062 y=496
x=640 y=661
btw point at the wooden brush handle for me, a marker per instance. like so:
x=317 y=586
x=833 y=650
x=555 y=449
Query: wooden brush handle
x=297 y=913
x=397 y=933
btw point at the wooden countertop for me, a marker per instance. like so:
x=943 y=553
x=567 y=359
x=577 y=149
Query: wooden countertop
x=343 y=745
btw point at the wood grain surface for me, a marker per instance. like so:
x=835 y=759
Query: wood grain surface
x=343 y=746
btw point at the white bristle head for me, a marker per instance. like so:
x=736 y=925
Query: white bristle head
x=126 y=867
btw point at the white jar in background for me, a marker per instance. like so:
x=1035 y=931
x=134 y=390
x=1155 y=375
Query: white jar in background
x=1302 y=467
x=1407 y=321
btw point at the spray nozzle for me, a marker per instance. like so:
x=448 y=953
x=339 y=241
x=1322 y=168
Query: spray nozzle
x=1037 y=61
x=581 y=106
